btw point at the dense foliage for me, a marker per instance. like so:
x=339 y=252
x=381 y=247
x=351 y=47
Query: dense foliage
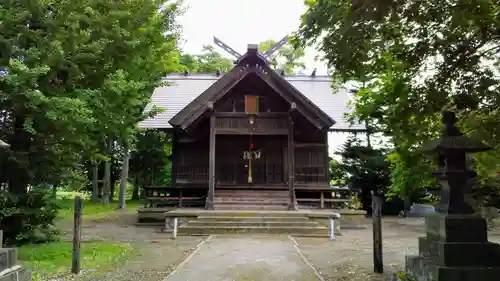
x=149 y=163
x=75 y=77
x=407 y=61
x=210 y=60
x=28 y=218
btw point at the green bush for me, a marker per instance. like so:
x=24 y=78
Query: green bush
x=28 y=218
x=404 y=277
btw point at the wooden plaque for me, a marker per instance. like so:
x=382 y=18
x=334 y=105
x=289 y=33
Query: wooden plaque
x=251 y=104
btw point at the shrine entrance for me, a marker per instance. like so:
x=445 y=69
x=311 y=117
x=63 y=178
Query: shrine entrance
x=247 y=159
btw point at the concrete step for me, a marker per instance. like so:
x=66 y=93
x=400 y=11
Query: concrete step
x=8 y=258
x=252 y=195
x=254 y=218
x=204 y=230
x=255 y=213
x=272 y=192
x=247 y=202
x=240 y=206
x=18 y=273
x=251 y=199
x=270 y=224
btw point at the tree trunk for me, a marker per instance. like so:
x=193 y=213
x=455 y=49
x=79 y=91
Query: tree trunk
x=112 y=188
x=18 y=177
x=135 y=190
x=407 y=205
x=123 y=178
x=106 y=189
x=54 y=191
x=95 y=181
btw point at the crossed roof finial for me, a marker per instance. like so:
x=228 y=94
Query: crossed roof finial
x=269 y=52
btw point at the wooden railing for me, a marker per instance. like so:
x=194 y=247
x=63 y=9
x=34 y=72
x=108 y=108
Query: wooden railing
x=167 y=196
x=261 y=125
x=324 y=197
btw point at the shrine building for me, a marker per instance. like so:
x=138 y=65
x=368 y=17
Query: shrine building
x=252 y=138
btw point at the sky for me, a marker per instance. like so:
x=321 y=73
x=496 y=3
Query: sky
x=242 y=22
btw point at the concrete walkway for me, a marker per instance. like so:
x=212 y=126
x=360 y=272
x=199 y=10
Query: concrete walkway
x=245 y=258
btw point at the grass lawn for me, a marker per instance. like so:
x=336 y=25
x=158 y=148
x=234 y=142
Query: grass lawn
x=52 y=259
x=91 y=210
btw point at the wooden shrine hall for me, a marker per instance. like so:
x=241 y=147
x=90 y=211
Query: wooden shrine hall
x=251 y=138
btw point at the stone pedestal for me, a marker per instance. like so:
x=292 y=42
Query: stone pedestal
x=9 y=269
x=455 y=248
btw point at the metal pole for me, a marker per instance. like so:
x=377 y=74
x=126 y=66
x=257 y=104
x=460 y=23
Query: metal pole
x=332 y=228
x=174 y=233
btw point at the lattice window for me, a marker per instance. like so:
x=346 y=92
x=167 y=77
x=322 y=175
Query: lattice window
x=251 y=104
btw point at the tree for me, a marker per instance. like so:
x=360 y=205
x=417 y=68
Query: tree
x=139 y=47
x=288 y=57
x=75 y=77
x=149 y=163
x=45 y=114
x=363 y=169
x=415 y=59
x=209 y=61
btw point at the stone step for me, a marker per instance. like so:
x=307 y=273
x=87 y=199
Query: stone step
x=247 y=202
x=241 y=206
x=234 y=198
x=251 y=195
x=421 y=269
x=205 y=230
x=236 y=191
x=254 y=213
x=18 y=273
x=254 y=218
x=270 y=224
x=8 y=258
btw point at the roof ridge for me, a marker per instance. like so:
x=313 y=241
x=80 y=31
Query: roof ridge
x=222 y=74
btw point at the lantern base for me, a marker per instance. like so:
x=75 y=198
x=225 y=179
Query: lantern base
x=455 y=248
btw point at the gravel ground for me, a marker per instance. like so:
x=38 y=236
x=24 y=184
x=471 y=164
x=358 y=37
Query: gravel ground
x=157 y=254
x=233 y=258
x=350 y=256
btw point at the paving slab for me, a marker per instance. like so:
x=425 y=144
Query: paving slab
x=248 y=258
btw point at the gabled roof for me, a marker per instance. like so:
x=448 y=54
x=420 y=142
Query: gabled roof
x=185 y=89
x=251 y=63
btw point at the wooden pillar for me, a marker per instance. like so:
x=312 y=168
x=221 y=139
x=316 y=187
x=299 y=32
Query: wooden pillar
x=211 y=166
x=175 y=159
x=175 y=162
x=291 y=164
x=327 y=160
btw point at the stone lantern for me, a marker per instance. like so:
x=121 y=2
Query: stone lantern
x=456 y=246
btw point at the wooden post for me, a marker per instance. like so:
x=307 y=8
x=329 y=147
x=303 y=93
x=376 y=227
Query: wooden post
x=124 y=178
x=378 y=263
x=327 y=160
x=322 y=200
x=77 y=233
x=175 y=159
x=211 y=166
x=1 y=238
x=291 y=165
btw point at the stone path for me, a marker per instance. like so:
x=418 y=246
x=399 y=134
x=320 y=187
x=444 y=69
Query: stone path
x=245 y=258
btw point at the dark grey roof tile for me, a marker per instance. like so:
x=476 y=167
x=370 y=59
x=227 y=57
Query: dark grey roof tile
x=185 y=89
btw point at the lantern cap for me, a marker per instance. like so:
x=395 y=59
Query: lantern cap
x=4 y=144
x=452 y=139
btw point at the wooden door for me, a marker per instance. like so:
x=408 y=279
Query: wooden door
x=274 y=165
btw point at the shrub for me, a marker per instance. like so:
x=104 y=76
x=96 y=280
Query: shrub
x=28 y=218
